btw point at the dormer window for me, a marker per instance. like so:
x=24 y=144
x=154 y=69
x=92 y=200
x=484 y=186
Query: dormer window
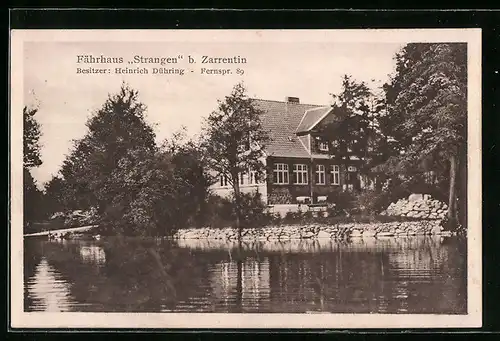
x=323 y=146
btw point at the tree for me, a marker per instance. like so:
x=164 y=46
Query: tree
x=146 y=196
x=189 y=165
x=235 y=141
x=32 y=198
x=54 y=194
x=31 y=158
x=114 y=131
x=354 y=131
x=31 y=139
x=137 y=187
x=427 y=105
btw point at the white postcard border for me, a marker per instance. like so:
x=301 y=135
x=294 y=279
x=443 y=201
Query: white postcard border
x=21 y=319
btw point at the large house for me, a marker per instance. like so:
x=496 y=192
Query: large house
x=299 y=164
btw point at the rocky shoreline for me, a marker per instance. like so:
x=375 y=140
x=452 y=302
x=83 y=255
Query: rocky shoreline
x=320 y=231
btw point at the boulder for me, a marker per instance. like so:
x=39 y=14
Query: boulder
x=323 y=234
x=191 y=235
x=356 y=233
x=415 y=197
x=308 y=234
x=385 y=234
x=369 y=233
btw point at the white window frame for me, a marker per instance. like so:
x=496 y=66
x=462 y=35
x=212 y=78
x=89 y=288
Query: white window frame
x=280 y=169
x=430 y=177
x=223 y=180
x=251 y=177
x=300 y=172
x=335 y=172
x=320 y=174
x=323 y=146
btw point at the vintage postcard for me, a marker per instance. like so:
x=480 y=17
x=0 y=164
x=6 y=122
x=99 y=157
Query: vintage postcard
x=245 y=178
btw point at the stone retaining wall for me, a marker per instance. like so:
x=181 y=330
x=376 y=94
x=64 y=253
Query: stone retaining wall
x=312 y=231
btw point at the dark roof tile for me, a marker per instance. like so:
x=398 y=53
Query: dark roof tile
x=280 y=120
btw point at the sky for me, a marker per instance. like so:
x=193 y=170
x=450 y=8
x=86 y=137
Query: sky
x=274 y=70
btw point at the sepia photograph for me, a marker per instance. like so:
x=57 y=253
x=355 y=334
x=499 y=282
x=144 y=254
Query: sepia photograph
x=245 y=178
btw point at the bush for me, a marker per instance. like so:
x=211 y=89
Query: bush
x=275 y=218
x=334 y=211
x=453 y=225
x=344 y=203
x=307 y=216
x=221 y=211
x=293 y=217
x=322 y=217
x=80 y=218
x=218 y=212
x=371 y=202
x=252 y=209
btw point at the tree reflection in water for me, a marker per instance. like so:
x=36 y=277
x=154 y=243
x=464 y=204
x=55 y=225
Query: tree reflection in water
x=407 y=275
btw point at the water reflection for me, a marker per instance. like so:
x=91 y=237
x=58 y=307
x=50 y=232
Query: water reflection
x=319 y=245
x=248 y=280
x=393 y=275
x=92 y=254
x=48 y=289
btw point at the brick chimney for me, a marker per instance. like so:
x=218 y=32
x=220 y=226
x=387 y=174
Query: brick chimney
x=289 y=99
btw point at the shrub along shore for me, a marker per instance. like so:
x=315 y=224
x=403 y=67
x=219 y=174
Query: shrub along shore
x=259 y=225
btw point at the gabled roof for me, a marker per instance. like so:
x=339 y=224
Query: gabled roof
x=280 y=120
x=311 y=118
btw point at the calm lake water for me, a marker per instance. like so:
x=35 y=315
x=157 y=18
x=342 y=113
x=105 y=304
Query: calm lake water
x=394 y=275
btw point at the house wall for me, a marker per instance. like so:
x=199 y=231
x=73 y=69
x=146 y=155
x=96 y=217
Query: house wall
x=225 y=191
x=287 y=193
